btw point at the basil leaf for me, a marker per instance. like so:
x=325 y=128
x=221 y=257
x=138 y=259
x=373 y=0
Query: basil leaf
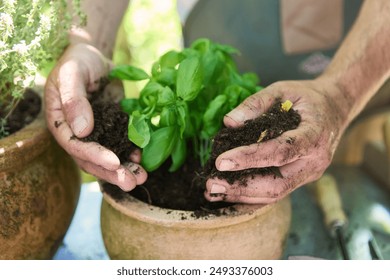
x=233 y=93
x=149 y=94
x=179 y=155
x=129 y=105
x=183 y=117
x=166 y=97
x=166 y=76
x=151 y=88
x=162 y=142
x=201 y=45
x=210 y=63
x=168 y=116
x=189 y=79
x=212 y=118
x=128 y=72
x=251 y=80
x=171 y=59
x=138 y=130
x=226 y=49
x=244 y=94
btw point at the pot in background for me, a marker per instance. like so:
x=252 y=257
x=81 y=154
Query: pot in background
x=39 y=190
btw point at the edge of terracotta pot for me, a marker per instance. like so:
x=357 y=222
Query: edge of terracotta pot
x=27 y=137
x=30 y=145
x=142 y=211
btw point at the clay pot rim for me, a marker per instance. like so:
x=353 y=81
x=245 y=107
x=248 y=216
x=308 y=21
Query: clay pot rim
x=25 y=144
x=144 y=212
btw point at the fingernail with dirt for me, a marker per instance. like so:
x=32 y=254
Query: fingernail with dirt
x=217 y=189
x=227 y=164
x=134 y=168
x=79 y=125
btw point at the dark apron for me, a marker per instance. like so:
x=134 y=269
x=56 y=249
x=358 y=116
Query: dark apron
x=253 y=27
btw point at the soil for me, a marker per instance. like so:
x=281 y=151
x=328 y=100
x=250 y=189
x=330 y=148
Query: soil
x=268 y=126
x=25 y=112
x=110 y=128
x=165 y=189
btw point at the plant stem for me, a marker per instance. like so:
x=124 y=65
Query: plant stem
x=13 y=105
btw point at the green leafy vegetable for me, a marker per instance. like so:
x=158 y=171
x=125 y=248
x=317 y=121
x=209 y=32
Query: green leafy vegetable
x=189 y=79
x=138 y=131
x=184 y=101
x=161 y=145
x=127 y=72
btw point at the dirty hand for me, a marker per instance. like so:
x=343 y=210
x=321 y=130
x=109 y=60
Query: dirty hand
x=69 y=114
x=302 y=154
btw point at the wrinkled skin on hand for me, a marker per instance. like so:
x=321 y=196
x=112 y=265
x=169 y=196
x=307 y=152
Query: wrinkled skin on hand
x=69 y=114
x=302 y=154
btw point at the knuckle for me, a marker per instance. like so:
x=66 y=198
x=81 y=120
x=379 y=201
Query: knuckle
x=69 y=102
x=286 y=153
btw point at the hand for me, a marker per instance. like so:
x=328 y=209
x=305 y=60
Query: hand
x=302 y=154
x=69 y=114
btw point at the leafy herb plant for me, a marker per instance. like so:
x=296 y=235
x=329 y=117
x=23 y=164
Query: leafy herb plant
x=33 y=34
x=184 y=101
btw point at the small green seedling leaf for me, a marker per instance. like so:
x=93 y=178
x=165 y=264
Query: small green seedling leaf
x=128 y=72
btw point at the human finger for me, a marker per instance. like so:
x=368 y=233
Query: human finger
x=135 y=156
x=264 y=189
x=127 y=178
x=86 y=151
x=286 y=148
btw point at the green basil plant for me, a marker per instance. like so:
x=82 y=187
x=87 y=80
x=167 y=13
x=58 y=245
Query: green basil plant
x=184 y=101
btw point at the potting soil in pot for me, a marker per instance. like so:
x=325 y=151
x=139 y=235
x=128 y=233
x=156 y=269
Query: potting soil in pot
x=25 y=112
x=183 y=189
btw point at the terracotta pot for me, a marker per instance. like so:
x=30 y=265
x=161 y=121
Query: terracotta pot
x=39 y=190
x=135 y=230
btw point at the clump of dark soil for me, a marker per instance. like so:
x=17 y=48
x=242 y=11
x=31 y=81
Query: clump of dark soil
x=184 y=189
x=25 y=112
x=268 y=126
x=181 y=190
x=110 y=128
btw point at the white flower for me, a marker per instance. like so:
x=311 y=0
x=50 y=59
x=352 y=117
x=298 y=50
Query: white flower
x=6 y=20
x=6 y=25
x=20 y=48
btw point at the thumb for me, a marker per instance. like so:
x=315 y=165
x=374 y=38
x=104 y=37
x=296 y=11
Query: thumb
x=79 y=115
x=251 y=108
